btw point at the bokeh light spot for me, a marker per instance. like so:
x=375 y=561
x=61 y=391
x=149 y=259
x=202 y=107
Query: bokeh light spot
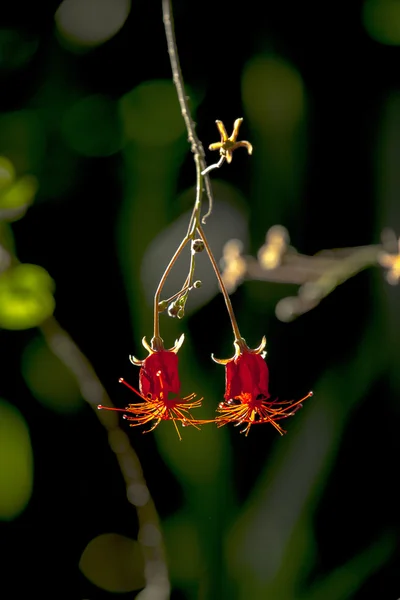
x=151 y=114
x=183 y=548
x=26 y=297
x=7 y=173
x=91 y=22
x=17 y=197
x=16 y=48
x=16 y=462
x=49 y=380
x=382 y=21
x=91 y=126
x=114 y=563
x=22 y=140
x=273 y=93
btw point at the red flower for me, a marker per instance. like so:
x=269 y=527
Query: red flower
x=158 y=378
x=246 y=392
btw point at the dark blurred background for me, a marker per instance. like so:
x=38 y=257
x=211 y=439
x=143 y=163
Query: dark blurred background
x=88 y=108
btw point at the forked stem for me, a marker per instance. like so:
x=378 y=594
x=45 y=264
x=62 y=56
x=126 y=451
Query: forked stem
x=201 y=173
x=161 y=285
x=224 y=291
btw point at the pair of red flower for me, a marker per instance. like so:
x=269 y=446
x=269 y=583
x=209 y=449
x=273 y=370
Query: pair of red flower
x=246 y=392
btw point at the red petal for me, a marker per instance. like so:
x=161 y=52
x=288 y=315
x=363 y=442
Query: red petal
x=247 y=374
x=165 y=363
x=232 y=381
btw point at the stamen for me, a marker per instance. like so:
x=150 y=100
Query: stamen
x=158 y=374
x=128 y=385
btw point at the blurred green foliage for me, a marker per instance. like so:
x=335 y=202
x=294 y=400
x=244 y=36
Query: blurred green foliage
x=114 y=563
x=26 y=297
x=16 y=462
x=382 y=20
x=146 y=109
x=91 y=126
x=49 y=380
x=218 y=545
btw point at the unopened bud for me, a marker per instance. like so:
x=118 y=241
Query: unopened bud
x=181 y=313
x=197 y=245
x=162 y=305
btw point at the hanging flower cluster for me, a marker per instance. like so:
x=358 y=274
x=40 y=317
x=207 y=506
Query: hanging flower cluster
x=247 y=399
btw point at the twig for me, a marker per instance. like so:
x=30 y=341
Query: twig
x=316 y=275
x=138 y=494
x=196 y=145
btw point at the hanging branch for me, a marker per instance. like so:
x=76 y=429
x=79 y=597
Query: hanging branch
x=317 y=275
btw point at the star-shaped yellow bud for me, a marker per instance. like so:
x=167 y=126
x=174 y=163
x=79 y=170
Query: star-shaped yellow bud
x=228 y=144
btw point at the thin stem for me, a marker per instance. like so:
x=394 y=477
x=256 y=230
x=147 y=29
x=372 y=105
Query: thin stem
x=201 y=168
x=217 y=165
x=195 y=217
x=138 y=494
x=196 y=145
x=161 y=285
x=194 y=221
x=94 y=393
x=224 y=291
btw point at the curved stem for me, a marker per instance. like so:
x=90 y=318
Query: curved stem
x=201 y=170
x=138 y=494
x=196 y=145
x=224 y=291
x=162 y=283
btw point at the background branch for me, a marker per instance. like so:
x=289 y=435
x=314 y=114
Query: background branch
x=316 y=275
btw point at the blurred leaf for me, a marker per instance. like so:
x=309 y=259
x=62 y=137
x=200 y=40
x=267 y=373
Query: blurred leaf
x=16 y=199
x=16 y=462
x=343 y=582
x=91 y=126
x=16 y=48
x=114 y=563
x=22 y=140
x=273 y=94
x=7 y=173
x=274 y=99
x=183 y=548
x=268 y=546
x=49 y=379
x=151 y=114
x=382 y=21
x=26 y=297
x=201 y=460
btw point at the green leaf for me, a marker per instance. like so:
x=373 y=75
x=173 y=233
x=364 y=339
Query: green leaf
x=344 y=581
x=271 y=547
x=151 y=114
x=16 y=198
x=26 y=297
x=114 y=563
x=183 y=548
x=16 y=462
x=91 y=126
x=7 y=173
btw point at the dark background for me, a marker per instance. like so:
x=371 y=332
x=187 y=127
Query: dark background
x=89 y=227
